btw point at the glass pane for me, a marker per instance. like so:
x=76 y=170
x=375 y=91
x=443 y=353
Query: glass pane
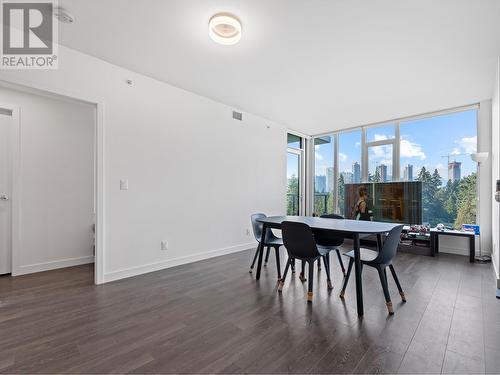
x=436 y=151
x=380 y=163
x=323 y=176
x=294 y=141
x=380 y=133
x=293 y=185
x=349 y=165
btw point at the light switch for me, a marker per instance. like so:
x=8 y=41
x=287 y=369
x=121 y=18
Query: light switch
x=123 y=184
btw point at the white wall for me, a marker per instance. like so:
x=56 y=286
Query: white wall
x=56 y=178
x=496 y=171
x=195 y=174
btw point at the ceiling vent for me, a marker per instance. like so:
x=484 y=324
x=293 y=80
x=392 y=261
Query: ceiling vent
x=237 y=116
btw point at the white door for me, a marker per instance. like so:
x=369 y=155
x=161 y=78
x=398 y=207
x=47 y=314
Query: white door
x=5 y=193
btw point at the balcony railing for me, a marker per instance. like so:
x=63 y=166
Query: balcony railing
x=292 y=204
x=321 y=203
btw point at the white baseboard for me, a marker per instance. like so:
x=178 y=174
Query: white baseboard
x=151 y=267
x=47 y=266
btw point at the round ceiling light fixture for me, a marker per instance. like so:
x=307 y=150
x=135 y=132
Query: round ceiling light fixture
x=224 y=28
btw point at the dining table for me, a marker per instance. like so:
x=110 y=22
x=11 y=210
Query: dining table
x=351 y=229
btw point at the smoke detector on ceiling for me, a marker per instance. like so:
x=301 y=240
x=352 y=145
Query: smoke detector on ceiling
x=63 y=15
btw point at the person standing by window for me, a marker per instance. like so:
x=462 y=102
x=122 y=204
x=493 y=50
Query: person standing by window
x=361 y=211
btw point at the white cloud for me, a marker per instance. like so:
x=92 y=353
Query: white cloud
x=380 y=137
x=411 y=150
x=455 y=151
x=380 y=152
x=357 y=144
x=318 y=156
x=342 y=157
x=468 y=144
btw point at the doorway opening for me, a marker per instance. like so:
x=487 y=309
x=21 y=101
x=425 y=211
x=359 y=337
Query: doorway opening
x=48 y=207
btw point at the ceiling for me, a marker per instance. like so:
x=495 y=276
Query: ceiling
x=312 y=65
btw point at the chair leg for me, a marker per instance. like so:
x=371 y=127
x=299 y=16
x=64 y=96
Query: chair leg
x=293 y=265
x=383 y=280
x=278 y=265
x=254 y=259
x=340 y=261
x=310 y=284
x=302 y=275
x=281 y=282
x=395 y=277
x=267 y=256
x=319 y=264
x=346 y=278
x=327 y=270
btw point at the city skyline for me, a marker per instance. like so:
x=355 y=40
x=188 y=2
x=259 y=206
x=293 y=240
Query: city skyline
x=452 y=134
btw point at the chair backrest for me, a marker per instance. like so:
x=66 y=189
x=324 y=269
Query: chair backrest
x=332 y=216
x=326 y=238
x=257 y=226
x=299 y=240
x=390 y=246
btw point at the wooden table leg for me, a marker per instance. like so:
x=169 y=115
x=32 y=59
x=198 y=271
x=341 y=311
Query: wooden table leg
x=357 y=268
x=261 y=252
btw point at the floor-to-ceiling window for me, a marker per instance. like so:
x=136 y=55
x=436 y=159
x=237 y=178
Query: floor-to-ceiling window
x=433 y=151
x=295 y=175
x=436 y=150
x=324 y=174
x=349 y=166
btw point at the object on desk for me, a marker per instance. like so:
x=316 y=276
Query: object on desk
x=471 y=228
x=440 y=226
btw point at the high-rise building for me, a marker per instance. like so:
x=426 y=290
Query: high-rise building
x=356 y=173
x=454 y=171
x=348 y=177
x=382 y=172
x=408 y=173
x=320 y=184
x=329 y=179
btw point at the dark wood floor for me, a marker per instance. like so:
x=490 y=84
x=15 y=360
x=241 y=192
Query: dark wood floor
x=213 y=317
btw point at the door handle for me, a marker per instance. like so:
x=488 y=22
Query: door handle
x=4 y=197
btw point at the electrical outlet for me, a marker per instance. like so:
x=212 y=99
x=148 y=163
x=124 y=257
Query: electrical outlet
x=164 y=245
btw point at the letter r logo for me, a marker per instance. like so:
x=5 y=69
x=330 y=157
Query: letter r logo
x=28 y=28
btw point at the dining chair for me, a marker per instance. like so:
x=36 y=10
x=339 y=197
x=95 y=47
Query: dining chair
x=300 y=244
x=325 y=239
x=271 y=241
x=380 y=260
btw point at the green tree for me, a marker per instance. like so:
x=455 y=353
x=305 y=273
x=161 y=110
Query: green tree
x=427 y=194
x=341 y=189
x=292 y=202
x=466 y=201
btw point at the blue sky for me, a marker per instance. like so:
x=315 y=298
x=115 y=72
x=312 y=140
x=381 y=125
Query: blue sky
x=423 y=143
